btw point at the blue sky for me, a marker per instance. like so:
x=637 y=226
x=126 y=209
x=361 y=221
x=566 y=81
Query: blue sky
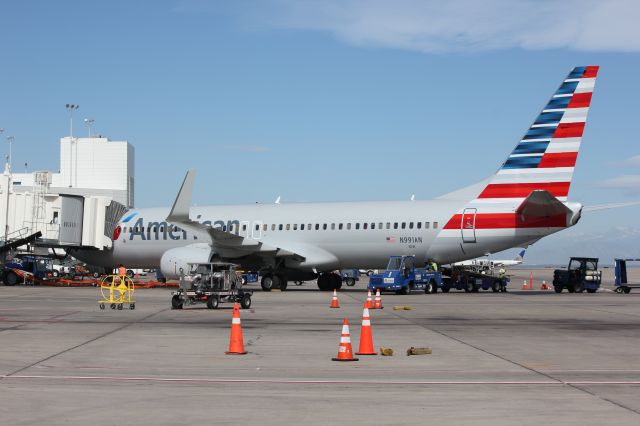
x=322 y=100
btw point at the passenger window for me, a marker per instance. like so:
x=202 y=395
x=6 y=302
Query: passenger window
x=388 y=225
x=426 y=225
x=295 y=226
x=404 y=225
x=357 y=226
x=302 y=226
x=244 y=227
x=410 y=225
x=380 y=225
x=317 y=226
x=373 y=225
x=340 y=226
x=273 y=226
x=418 y=225
x=324 y=226
x=288 y=226
x=280 y=227
x=435 y=225
x=264 y=227
x=333 y=226
x=257 y=227
x=309 y=227
x=395 y=225
x=364 y=225
x=349 y=225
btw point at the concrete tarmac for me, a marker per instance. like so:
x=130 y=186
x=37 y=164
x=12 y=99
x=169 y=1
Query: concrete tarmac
x=522 y=357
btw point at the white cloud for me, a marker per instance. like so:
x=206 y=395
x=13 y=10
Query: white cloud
x=629 y=162
x=457 y=25
x=629 y=183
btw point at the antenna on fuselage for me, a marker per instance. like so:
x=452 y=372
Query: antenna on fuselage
x=413 y=197
x=278 y=200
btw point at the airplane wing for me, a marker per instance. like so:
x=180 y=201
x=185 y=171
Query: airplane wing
x=226 y=243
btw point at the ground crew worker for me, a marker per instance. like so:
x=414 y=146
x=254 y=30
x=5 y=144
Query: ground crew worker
x=434 y=265
x=502 y=273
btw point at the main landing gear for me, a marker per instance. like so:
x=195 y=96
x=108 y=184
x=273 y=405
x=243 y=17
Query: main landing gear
x=273 y=281
x=329 y=281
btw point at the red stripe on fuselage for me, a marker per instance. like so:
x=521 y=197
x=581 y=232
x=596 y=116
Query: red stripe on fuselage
x=569 y=130
x=508 y=221
x=580 y=100
x=521 y=190
x=558 y=159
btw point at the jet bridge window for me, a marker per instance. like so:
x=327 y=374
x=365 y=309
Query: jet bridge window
x=435 y=225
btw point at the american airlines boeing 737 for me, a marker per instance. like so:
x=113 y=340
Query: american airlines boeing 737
x=525 y=200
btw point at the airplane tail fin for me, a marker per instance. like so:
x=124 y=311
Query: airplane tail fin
x=545 y=157
x=520 y=256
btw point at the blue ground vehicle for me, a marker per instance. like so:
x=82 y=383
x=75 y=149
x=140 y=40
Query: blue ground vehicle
x=249 y=277
x=581 y=274
x=402 y=277
x=29 y=269
x=350 y=276
x=621 y=283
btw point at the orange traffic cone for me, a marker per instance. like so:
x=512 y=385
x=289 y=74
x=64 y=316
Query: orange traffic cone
x=544 y=286
x=369 y=303
x=345 y=353
x=377 y=304
x=366 y=338
x=524 y=285
x=236 y=344
x=334 y=300
x=530 y=280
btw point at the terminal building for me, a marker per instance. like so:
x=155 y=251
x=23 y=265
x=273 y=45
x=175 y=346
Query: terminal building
x=77 y=207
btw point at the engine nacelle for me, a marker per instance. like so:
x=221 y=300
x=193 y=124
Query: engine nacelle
x=178 y=258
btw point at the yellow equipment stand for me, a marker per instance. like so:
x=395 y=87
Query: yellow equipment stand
x=117 y=290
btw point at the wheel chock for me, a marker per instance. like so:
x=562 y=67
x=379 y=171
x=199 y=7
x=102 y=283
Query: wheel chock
x=418 y=351
x=384 y=351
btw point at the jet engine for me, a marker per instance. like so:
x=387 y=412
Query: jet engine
x=173 y=260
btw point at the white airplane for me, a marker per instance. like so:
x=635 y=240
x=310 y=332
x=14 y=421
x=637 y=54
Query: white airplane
x=525 y=200
x=493 y=262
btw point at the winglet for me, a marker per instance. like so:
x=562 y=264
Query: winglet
x=182 y=204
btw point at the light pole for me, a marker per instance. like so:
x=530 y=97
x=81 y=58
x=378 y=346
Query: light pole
x=10 y=139
x=89 y=123
x=71 y=108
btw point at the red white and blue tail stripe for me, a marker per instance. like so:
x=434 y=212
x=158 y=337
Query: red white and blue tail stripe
x=545 y=157
x=543 y=160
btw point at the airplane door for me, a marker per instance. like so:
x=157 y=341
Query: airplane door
x=244 y=229
x=257 y=230
x=468 y=226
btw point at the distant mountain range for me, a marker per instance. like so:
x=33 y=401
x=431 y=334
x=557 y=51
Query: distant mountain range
x=556 y=249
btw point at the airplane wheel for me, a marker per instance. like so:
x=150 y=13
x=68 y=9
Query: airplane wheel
x=619 y=290
x=627 y=290
x=176 y=303
x=283 y=282
x=269 y=282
